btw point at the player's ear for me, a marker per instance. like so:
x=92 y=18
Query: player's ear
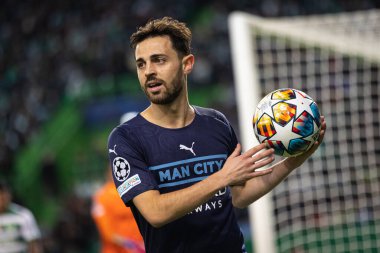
x=188 y=63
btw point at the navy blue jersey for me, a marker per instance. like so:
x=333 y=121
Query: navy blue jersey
x=145 y=157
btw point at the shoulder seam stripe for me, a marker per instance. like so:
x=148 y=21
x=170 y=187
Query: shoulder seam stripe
x=202 y=158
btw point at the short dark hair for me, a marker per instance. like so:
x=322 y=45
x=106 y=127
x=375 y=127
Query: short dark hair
x=179 y=34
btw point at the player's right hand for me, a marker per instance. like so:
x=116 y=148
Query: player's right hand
x=239 y=168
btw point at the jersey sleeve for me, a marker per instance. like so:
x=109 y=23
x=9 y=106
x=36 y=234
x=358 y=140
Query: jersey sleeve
x=221 y=118
x=232 y=135
x=129 y=168
x=234 y=139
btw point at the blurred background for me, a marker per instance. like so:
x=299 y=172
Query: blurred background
x=67 y=75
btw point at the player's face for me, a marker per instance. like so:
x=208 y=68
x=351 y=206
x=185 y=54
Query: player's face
x=159 y=69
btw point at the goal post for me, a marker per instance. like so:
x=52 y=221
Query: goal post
x=248 y=93
x=331 y=203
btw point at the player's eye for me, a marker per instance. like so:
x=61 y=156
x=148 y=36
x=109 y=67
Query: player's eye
x=140 y=65
x=159 y=60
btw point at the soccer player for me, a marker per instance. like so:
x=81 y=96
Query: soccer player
x=179 y=166
x=116 y=225
x=19 y=232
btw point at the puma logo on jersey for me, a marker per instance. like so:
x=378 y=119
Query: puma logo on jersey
x=181 y=146
x=112 y=150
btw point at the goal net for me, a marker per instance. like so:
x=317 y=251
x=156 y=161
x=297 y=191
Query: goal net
x=332 y=202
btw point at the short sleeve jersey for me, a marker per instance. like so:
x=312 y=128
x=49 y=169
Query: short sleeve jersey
x=145 y=157
x=17 y=227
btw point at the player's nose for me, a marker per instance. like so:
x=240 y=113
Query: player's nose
x=150 y=69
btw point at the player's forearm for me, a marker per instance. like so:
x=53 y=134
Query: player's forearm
x=161 y=209
x=255 y=188
x=188 y=199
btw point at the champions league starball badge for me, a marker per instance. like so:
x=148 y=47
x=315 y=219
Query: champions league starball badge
x=121 y=168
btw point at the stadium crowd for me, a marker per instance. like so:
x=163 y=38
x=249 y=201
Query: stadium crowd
x=50 y=50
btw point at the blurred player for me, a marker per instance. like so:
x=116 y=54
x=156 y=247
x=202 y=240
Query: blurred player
x=19 y=232
x=115 y=222
x=180 y=166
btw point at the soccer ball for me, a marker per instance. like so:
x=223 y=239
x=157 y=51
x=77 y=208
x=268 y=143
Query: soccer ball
x=121 y=168
x=287 y=120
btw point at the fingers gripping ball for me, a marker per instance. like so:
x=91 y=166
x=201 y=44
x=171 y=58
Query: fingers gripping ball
x=287 y=120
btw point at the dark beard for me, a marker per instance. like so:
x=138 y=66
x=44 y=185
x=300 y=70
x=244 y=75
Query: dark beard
x=170 y=95
x=168 y=98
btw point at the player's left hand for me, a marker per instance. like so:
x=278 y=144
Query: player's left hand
x=294 y=162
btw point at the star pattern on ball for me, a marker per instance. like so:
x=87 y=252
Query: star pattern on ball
x=311 y=136
x=268 y=107
x=261 y=137
x=288 y=120
x=285 y=131
x=303 y=104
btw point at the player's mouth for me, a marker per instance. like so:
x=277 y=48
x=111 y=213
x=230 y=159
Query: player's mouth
x=154 y=86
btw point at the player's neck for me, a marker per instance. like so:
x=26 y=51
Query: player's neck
x=175 y=115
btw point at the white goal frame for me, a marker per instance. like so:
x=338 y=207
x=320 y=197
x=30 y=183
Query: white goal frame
x=248 y=91
x=247 y=84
